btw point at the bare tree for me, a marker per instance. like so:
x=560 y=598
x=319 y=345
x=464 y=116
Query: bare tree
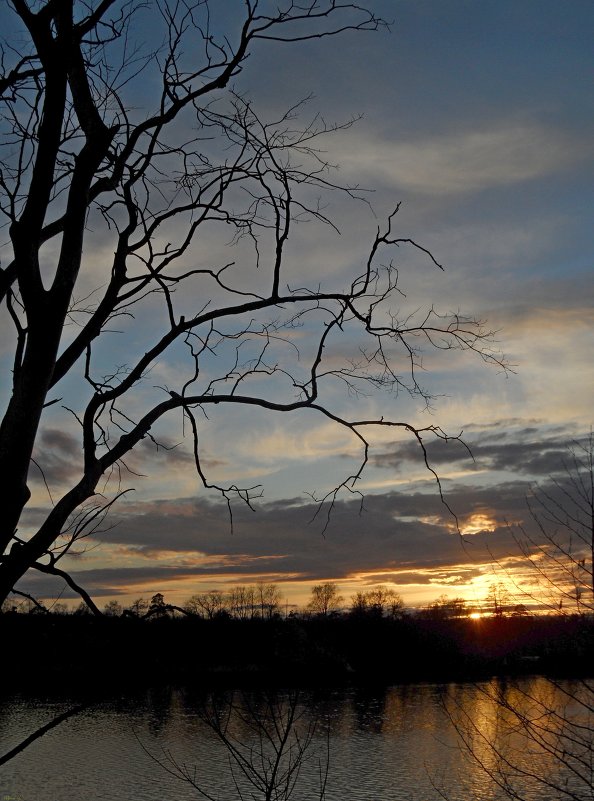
x=379 y=602
x=242 y=602
x=268 y=599
x=271 y=746
x=533 y=738
x=498 y=600
x=119 y=168
x=39 y=732
x=559 y=545
x=546 y=743
x=446 y=608
x=206 y=604
x=325 y=598
x=138 y=608
x=113 y=609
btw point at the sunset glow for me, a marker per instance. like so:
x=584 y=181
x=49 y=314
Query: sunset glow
x=495 y=183
x=297 y=441
x=480 y=521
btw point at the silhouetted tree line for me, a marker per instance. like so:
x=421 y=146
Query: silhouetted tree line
x=169 y=647
x=263 y=600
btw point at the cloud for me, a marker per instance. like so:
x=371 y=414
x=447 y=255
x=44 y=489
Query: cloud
x=464 y=161
x=395 y=531
x=291 y=441
x=57 y=458
x=529 y=451
x=491 y=162
x=406 y=538
x=409 y=529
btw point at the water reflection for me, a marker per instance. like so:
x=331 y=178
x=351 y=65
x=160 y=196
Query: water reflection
x=534 y=739
x=394 y=744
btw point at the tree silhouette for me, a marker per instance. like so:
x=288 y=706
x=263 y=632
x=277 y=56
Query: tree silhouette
x=446 y=608
x=551 y=720
x=113 y=609
x=559 y=546
x=206 y=604
x=379 y=602
x=126 y=173
x=324 y=599
x=268 y=599
x=271 y=744
x=544 y=747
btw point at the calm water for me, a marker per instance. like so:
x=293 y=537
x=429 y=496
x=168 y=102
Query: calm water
x=380 y=745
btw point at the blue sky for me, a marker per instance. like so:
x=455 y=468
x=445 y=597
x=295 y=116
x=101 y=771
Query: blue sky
x=478 y=118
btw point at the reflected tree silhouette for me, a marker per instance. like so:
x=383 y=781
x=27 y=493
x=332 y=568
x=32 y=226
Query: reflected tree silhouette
x=271 y=745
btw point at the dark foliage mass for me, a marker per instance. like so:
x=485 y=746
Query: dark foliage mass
x=107 y=653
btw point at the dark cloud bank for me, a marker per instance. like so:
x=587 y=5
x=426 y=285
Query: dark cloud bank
x=403 y=537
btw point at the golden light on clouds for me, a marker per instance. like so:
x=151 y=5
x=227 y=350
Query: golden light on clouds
x=479 y=521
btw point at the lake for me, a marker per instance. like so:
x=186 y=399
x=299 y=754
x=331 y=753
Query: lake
x=389 y=744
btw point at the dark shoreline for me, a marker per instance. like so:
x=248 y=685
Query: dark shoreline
x=65 y=653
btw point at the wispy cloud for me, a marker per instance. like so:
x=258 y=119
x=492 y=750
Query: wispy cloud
x=464 y=161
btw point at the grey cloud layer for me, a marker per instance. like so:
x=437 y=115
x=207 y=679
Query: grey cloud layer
x=522 y=450
x=283 y=543
x=408 y=536
x=489 y=179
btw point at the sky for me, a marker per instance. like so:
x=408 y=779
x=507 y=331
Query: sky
x=477 y=117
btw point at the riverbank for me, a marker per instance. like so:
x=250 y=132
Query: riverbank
x=66 y=651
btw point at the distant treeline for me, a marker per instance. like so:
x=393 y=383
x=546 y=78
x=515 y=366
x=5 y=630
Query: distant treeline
x=264 y=600
x=97 y=653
